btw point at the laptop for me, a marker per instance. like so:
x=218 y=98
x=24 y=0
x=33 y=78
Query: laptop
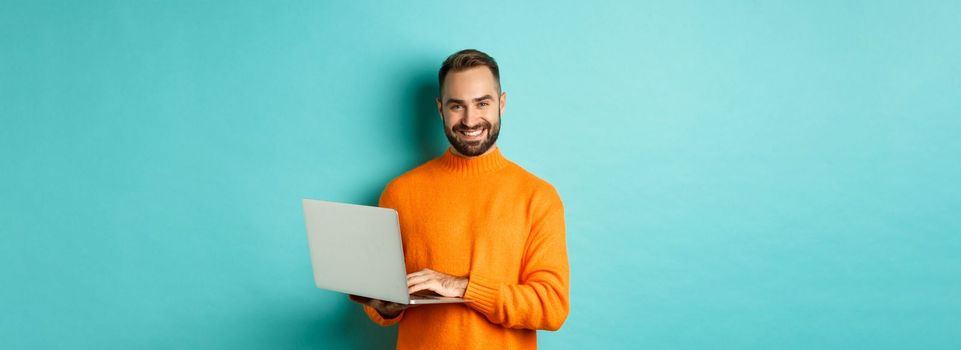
x=357 y=249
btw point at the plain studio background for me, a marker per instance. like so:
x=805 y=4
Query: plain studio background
x=742 y=175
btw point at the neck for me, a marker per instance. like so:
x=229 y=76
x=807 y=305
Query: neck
x=489 y=150
x=490 y=161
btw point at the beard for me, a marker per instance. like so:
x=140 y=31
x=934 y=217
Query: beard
x=473 y=148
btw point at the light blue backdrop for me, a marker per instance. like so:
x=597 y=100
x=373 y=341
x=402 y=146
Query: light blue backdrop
x=741 y=175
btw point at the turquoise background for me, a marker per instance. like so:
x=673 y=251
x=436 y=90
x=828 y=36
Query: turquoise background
x=737 y=175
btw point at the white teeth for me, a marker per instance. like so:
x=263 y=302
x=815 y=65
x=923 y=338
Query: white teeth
x=473 y=133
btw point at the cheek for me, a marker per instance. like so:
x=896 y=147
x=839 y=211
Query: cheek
x=492 y=115
x=449 y=122
x=452 y=118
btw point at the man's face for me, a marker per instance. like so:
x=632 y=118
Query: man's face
x=471 y=108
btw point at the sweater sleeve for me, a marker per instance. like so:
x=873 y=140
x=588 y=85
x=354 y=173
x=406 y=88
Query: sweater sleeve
x=388 y=199
x=378 y=319
x=540 y=300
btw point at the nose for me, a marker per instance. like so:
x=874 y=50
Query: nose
x=472 y=117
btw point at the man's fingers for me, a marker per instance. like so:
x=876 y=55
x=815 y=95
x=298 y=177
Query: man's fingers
x=359 y=299
x=419 y=273
x=416 y=288
x=387 y=307
x=382 y=306
x=429 y=285
x=417 y=279
x=394 y=306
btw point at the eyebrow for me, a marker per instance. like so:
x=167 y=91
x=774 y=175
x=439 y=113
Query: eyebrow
x=485 y=97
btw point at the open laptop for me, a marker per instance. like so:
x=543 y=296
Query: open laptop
x=356 y=249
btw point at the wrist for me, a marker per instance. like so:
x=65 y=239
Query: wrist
x=463 y=288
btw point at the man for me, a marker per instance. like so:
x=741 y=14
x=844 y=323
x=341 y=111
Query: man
x=476 y=225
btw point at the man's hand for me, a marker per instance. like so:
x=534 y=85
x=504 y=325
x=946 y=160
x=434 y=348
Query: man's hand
x=386 y=309
x=443 y=284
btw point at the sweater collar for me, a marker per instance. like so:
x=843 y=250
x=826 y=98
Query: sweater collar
x=472 y=166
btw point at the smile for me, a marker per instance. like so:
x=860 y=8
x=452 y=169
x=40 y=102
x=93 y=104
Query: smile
x=472 y=134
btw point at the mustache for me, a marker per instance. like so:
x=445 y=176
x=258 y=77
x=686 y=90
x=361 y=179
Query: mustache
x=464 y=127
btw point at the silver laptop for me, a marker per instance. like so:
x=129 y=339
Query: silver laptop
x=356 y=249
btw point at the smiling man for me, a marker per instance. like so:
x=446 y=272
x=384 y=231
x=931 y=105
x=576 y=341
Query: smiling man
x=478 y=226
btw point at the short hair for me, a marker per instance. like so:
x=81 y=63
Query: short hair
x=463 y=60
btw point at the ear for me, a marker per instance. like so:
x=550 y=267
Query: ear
x=503 y=102
x=440 y=111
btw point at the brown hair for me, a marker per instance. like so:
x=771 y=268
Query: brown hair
x=466 y=59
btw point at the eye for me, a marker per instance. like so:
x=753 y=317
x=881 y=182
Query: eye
x=455 y=107
x=484 y=104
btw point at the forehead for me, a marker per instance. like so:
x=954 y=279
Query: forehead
x=470 y=83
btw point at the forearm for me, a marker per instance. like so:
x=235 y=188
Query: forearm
x=539 y=298
x=540 y=303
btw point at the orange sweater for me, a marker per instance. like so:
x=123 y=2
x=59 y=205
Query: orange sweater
x=490 y=220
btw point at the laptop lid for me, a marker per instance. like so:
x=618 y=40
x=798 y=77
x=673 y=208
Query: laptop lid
x=356 y=249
